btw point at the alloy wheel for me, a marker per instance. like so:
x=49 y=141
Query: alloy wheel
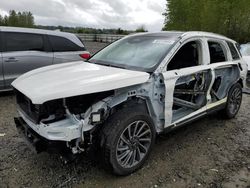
x=235 y=100
x=133 y=144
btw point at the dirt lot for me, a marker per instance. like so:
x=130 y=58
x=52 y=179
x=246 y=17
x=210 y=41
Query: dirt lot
x=208 y=153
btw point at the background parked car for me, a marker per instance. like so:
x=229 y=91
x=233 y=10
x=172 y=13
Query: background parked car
x=245 y=51
x=23 y=49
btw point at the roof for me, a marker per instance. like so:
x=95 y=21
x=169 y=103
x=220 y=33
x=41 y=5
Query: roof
x=69 y=36
x=32 y=30
x=169 y=34
x=205 y=34
x=181 y=34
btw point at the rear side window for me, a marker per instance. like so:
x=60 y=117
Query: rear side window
x=233 y=51
x=61 y=44
x=216 y=52
x=23 y=42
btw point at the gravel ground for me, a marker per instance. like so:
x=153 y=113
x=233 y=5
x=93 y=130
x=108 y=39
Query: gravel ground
x=211 y=152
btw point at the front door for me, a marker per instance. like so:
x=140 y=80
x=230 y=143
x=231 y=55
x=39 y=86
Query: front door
x=186 y=84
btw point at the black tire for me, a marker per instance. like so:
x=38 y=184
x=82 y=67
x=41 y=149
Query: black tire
x=116 y=129
x=234 y=100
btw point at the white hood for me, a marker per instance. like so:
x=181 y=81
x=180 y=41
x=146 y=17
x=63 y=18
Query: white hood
x=72 y=79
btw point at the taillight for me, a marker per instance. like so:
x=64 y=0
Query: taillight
x=85 y=56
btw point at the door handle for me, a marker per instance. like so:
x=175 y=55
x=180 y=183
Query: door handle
x=11 y=60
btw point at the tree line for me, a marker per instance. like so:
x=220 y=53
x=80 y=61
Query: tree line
x=17 y=19
x=85 y=30
x=26 y=19
x=227 y=17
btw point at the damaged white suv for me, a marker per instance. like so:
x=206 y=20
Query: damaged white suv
x=135 y=88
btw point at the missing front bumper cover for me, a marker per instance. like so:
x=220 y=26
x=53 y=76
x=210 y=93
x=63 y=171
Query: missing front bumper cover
x=36 y=142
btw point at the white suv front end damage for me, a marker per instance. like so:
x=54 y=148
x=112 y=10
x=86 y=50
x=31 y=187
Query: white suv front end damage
x=69 y=130
x=65 y=124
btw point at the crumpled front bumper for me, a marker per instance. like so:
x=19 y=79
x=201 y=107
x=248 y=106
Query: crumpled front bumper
x=67 y=129
x=63 y=135
x=36 y=142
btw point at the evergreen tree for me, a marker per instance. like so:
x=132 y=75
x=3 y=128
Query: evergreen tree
x=30 y=19
x=13 y=18
x=141 y=29
x=5 y=20
x=1 y=20
x=18 y=19
x=227 y=17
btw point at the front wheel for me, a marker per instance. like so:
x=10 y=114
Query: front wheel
x=127 y=139
x=234 y=99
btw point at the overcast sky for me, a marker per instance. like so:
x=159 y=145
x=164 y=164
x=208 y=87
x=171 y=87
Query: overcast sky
x=126 y=14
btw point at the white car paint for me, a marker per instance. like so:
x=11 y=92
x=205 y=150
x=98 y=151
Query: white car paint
x=245 y=51
x=66 y=80
x=247 y=60
x=170 y=80
x=72 y=79
x=71 y=128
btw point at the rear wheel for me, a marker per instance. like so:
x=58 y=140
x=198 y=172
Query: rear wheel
x=233 y=101
x=127 y=139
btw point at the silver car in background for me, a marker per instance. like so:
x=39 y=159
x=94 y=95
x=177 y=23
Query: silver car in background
x=23 y=49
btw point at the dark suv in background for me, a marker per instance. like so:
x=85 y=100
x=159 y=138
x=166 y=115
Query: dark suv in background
x=23 y=49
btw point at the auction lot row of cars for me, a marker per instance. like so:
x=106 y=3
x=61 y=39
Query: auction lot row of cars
x=117 y=101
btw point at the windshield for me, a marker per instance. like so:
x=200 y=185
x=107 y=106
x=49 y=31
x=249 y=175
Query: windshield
x=245 y=49
x=141 y=53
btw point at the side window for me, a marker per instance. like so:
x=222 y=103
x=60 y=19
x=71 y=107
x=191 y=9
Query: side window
x=23 y=42
x=186 y=56
x=61 y=44
x=216 y=52
x=233 y=51
x=239 y=49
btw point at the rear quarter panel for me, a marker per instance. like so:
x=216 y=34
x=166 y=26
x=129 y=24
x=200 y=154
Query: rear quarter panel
x=64 y=57
x=247 y=61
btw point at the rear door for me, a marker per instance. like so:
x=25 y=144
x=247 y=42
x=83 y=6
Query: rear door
x=224 y=63
x=65 y=50
x=1 y=64
x=24 y=52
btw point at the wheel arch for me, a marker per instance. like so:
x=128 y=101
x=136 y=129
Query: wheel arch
x=125 y=113
x=130 y=102
x=240 y=81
